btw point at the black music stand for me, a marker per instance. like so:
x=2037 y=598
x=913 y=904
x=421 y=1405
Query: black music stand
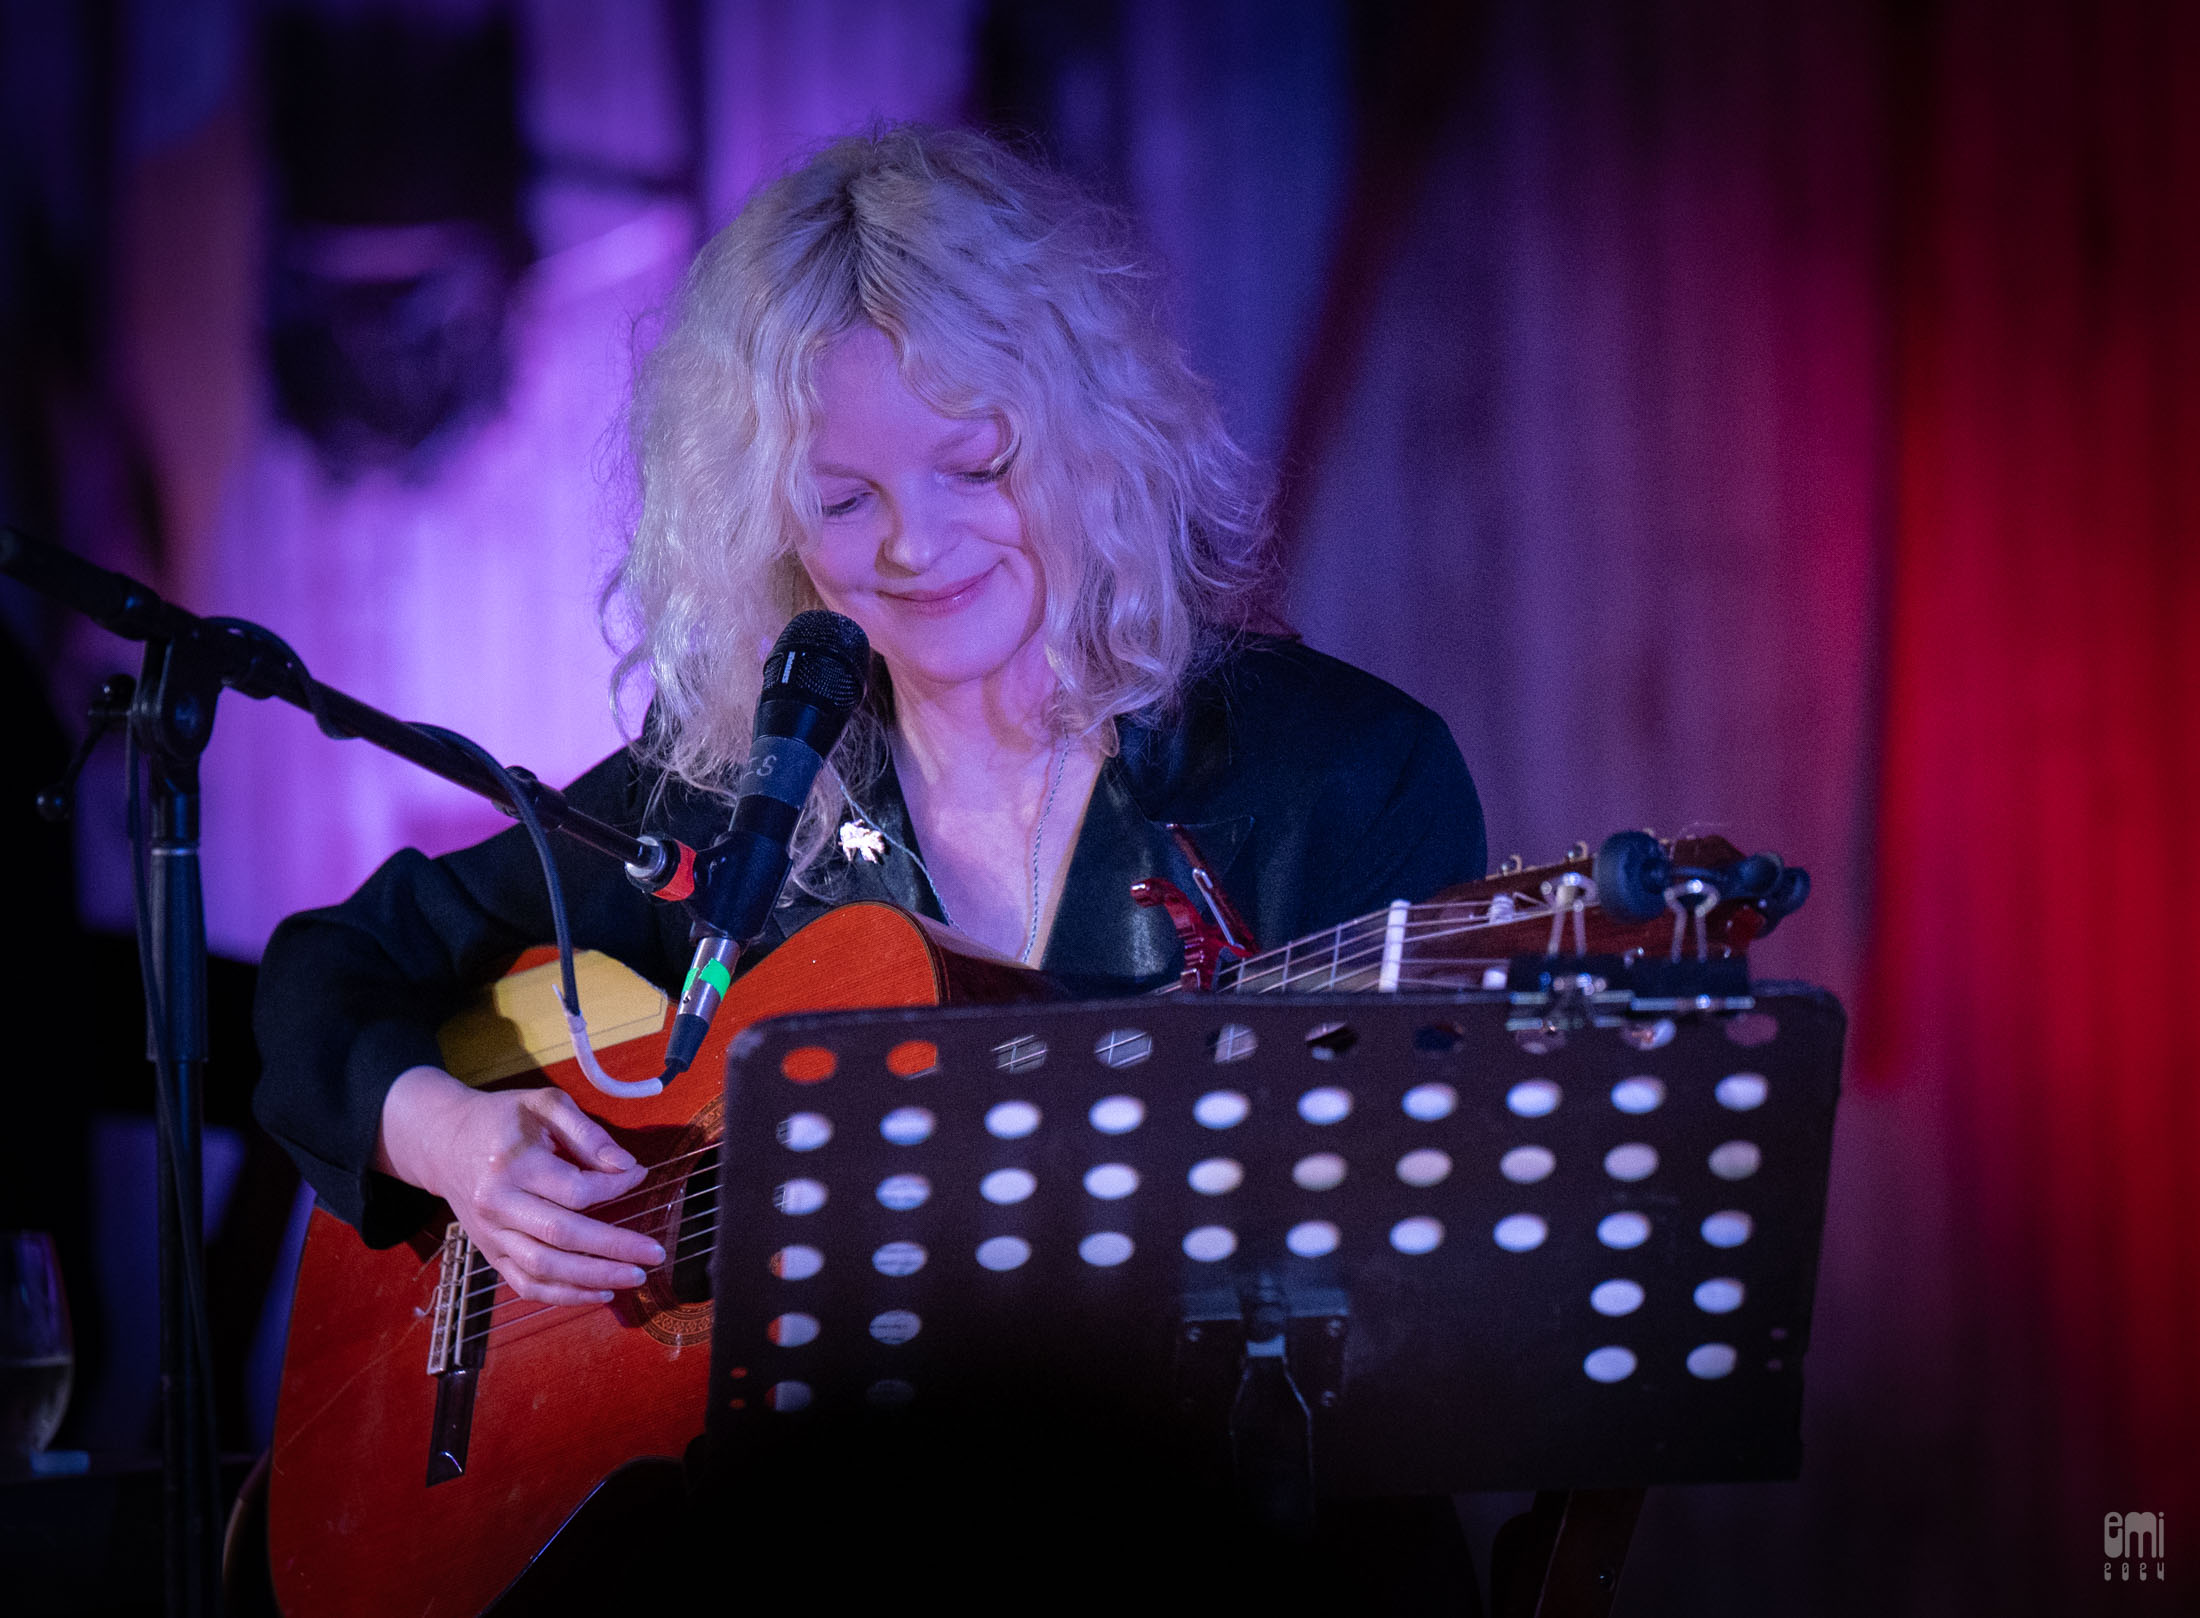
x=1359 y=1244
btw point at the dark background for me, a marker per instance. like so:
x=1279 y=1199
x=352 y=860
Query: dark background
x=1770 y=419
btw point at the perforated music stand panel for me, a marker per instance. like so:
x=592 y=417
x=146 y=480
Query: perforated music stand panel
x=1547 y=1263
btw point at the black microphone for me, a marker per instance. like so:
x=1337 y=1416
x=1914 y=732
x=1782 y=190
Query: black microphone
x=813 y=681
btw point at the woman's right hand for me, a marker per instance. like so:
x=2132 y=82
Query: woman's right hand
x=517 y=1166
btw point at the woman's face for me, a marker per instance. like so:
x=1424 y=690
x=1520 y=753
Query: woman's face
x=919 y=542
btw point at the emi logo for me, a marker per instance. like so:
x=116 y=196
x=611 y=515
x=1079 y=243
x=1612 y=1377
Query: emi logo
x=2134 y=1537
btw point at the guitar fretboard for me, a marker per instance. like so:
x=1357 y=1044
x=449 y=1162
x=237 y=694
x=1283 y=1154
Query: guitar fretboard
x=1395 y=948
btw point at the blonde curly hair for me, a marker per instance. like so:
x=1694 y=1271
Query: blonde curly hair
x=1005 y=292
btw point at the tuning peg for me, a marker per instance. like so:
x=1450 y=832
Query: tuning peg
x=1787 y=895
x=1632 y=873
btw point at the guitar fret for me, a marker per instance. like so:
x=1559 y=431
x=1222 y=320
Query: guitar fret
x=1364 y=951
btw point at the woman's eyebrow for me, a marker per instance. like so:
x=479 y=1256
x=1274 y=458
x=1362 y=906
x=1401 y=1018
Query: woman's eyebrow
x=962 y=436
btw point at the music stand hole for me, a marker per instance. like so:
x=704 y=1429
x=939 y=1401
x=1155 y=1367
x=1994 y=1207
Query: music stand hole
x=1314 y=1238
x=1328 y=1041
x=1417 y=1235
x=1616 y=1297
x=1612 y=1364
x=793 y=1329
x=1216 y=1176
x=1736 y=1159
x=1210 y=1244
x=1741 y=1092
x=1221 y=1109
x=1111 y=1182
x=1711 y=1361
x=908 y=1126
x=1430 y=1102
x=1520 y=1233
x=1438 y=1038
x=1524 y=1165
x=1123 y=1047
x=1117 y=1115
x=896 y=1326
x=1728 y=1228
x=1004 y=1187
x=1721 y=1295
x=797 y=1262
x=1232 y=1042
x=898 y=1259
x=1020 y=1055
x=1104 y=1249
x=1325 y=1105
x=913 y=1059
x=805 y=1131
x=1623 y=1230
x=902 y=1192
x=808 y=1064
x=1323 y=1171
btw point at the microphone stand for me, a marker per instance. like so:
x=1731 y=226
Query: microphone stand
x=188 y=663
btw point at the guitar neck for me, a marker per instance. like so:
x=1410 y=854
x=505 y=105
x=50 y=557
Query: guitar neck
x=1452 y=940
x=1439 y=945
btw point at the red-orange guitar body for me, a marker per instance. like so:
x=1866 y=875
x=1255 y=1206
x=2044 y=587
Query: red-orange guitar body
x=564 y=1397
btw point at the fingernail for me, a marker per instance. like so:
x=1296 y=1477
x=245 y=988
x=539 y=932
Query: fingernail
x=613 y=1157
x=659 y=1255
x=635 y=1276
x=605 y=1297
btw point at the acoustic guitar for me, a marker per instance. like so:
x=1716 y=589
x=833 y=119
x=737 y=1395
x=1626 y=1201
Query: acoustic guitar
x=435 y=1432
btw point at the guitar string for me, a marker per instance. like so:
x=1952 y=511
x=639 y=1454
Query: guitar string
x=1336 y=966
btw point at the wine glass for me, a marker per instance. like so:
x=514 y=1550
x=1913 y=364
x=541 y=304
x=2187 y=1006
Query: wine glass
x=37 y=1359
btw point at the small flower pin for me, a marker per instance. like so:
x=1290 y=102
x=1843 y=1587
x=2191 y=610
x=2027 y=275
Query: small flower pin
x=857 y=839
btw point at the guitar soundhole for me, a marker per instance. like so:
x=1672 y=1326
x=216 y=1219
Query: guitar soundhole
x=697 y=1234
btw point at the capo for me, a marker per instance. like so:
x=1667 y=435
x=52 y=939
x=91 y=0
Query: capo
x=1204 y=945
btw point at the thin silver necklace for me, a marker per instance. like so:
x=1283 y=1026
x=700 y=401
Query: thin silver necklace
x=1038 y=835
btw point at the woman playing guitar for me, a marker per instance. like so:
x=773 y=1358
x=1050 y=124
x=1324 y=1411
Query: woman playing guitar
x=920 y=382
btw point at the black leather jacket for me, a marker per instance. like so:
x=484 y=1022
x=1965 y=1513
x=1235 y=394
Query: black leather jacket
x=1315 y=792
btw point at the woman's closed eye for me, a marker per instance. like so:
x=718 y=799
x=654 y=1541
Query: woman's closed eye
x=846 y=505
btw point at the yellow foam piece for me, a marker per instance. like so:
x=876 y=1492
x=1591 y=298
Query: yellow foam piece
x=516 y=1024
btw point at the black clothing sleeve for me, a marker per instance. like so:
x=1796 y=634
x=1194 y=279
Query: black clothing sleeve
x=351 y=996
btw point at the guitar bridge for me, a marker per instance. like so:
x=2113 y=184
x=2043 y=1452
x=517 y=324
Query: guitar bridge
x=465 y=1290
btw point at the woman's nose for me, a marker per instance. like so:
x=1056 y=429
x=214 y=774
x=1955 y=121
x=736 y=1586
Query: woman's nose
x=919 y=532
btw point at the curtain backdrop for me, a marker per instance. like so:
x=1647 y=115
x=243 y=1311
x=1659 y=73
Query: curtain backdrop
x=1784 y=418
x=2031 y=941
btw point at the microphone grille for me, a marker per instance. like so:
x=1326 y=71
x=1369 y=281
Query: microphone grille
x=822 y=655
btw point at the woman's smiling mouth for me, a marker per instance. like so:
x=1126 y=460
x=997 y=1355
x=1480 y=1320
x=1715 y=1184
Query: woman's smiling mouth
x=939 y=603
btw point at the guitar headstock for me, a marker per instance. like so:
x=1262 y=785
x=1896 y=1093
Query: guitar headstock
x=1617 y=899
